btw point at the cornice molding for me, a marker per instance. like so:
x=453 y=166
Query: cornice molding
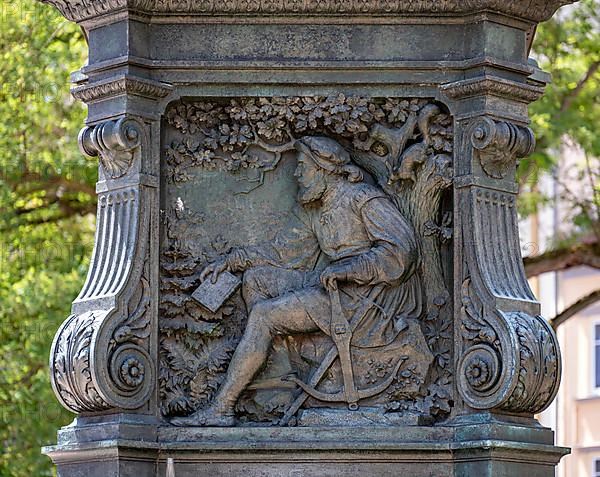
x=494 y=85
x=89 y=93
x=531 y=10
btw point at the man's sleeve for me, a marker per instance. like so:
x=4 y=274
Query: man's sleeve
x=295 y=246
x=394 y=256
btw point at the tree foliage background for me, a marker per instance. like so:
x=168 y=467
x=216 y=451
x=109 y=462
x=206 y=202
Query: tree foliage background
x=567 y=117
x=46 y=221
x=47 y=199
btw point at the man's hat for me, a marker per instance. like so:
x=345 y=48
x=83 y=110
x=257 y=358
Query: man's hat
x=327 y=153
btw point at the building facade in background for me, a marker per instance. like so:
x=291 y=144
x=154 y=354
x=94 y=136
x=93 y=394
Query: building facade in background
x=577 y=409
x=575 y=413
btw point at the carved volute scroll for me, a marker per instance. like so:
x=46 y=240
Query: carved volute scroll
x=114 y=142
x=499 y=143
x=100 y=358
x=509 y=360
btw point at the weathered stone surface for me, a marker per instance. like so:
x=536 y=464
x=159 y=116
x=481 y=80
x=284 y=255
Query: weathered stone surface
x=348 y=168
x=484 y=450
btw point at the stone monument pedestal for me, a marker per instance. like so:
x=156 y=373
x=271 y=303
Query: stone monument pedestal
x=484 y=449
x=307 y=258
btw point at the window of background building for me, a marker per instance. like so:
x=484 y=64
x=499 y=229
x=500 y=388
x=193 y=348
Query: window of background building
x=596 y=468
x=597 y=364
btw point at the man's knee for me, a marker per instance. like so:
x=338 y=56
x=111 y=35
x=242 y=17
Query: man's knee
x=261 y=316
x=254 y=285
x=251 y=277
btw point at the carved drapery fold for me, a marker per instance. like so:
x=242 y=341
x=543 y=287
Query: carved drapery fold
x=510 y=360
x=100 y=356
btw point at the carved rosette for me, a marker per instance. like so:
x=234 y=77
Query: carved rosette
x=510 y=360
x=100 y=358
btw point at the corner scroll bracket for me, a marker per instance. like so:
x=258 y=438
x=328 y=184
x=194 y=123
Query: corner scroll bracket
x=101 y=356
x=509 y=360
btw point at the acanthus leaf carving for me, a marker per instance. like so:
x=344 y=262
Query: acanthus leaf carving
x=493 y=85
x=539 y=364
x=70 y=362
x=137 y=325
x=122 y=85
x=476 y=327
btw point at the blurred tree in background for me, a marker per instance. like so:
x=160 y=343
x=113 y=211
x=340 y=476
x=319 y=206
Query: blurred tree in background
x=47 y=198
x=47 y=202
x=567 y=117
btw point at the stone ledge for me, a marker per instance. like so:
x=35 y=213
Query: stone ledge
x=476 y=449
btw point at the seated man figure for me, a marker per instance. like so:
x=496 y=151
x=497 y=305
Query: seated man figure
x=344 y=232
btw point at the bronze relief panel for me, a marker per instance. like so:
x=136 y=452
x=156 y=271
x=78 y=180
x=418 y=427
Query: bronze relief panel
x=302 y=276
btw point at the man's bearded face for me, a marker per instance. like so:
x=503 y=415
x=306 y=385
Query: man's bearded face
x=311 y=180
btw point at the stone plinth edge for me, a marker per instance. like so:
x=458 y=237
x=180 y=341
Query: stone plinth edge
x=482 y=450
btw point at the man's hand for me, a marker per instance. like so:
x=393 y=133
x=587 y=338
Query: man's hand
x=329 y=278
x=214 y=269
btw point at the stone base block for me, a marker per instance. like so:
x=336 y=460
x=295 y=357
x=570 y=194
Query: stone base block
x=465 y=449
